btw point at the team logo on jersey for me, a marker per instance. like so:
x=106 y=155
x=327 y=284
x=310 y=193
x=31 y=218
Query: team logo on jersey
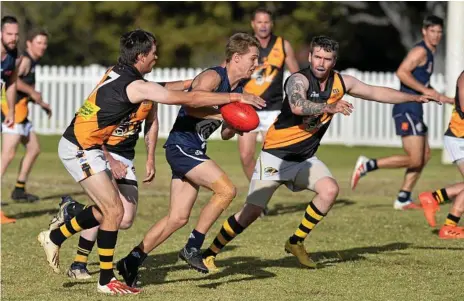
x=269 y=171
x=314 y=94
x=198 y=153
x=335 y=91
x=405 y=126
x=88 y=110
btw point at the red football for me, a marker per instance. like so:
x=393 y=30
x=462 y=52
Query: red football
x=240 y=116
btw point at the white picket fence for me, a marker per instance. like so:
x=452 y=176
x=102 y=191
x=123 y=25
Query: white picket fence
x=371 y=124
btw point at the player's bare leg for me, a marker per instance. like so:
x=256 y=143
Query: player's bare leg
x=417 y=155
x=260 y=192
x=9 y=145
x=211 y=176
x=129 y=198
x=326 y=190
x=247 y=148
x=183 y=196
x=31 y=143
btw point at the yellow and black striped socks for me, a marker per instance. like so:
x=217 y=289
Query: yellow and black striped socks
x=230 y=229
x=311 y=217
x=452 y=220
x=20 y=185
x=84 y=220
x=106 y=241
x=83 y=250
x=441 y=196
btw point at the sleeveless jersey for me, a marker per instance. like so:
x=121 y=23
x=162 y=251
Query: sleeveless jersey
x=422 y=74
x=297 y=138
x=267 y=79
x=193 y=132
x=456 y=125
x=124 y=138
x=22 y=99
x=104 y=110
x=8 y=68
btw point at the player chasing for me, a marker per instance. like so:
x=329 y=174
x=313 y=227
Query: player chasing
x=414 y=73
x=313 y=97
x=119 y=152
x=116 y=97
x=266 y=81
x=454 y=144
x=23 y=132
x=191 y=168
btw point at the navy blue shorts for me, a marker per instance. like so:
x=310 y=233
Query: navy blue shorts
x=183 y=159
x=408 y=124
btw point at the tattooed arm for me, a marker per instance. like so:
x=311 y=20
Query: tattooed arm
x=297 y=88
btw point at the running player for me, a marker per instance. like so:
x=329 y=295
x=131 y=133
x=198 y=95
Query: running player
x=313 y=96
x=266 y=81
x=454 y=144
x=22 y=132
x=191 y=167
x=116 y=97
x=414 y=72
x=9 y=76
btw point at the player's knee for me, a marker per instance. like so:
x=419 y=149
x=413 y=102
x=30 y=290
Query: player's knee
x=34 y=151
x=224 y=191
x=113 y=210
x=416 y=162
x=330 y=192
x=178 y=221
x=126 y=223
x=247 y=157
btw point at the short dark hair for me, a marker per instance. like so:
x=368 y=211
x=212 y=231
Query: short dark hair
x=9 y=20
x=262 y=10
x=432 y=20
x=134 y=43
x=240 y=43
x=326 y=43
x=36 y=32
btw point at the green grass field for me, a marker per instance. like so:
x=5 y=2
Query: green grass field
x=368 y=250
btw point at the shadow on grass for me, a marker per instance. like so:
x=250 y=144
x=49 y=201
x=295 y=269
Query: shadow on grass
x=33 y=213
x=252 y=267
x=281 y=209
x=58 y=196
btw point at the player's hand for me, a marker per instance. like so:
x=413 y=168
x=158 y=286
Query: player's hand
x=253 y=100
x=47 y=109
x=427 y=98
x=9 y=119
x=341 y=106
x=150 y=171
x=118 y=169
x=431 y=93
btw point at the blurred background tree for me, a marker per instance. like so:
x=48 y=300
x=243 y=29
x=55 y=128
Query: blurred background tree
x=372 y=35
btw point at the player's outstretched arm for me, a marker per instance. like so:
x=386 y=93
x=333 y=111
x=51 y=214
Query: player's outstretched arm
x=357 y=88
x=139 y=91
x=297 y=87
x=179 y=85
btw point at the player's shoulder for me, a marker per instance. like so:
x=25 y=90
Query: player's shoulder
x=417 y=51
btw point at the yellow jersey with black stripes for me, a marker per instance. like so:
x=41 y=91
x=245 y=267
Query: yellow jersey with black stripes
x=456 y=125
x=104 y=110
x=267 y=79
x=297 y=138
